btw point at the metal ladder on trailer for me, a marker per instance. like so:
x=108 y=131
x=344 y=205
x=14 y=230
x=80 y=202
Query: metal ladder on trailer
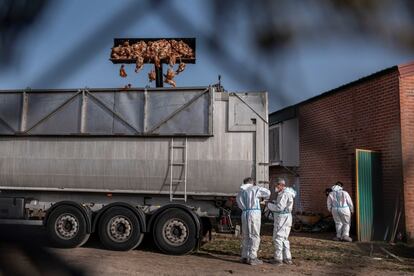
x=182 y=165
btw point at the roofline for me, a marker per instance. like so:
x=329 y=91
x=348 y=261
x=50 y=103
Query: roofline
x=101 y=89
x=404 y=69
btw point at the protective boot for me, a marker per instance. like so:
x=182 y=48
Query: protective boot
x=347 y=239
x=255 y=262
x=276 y=262
x=288 y=262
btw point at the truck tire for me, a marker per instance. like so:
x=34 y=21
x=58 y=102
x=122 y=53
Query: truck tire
x=175 y=232
x=119 y=229
x=66 y=227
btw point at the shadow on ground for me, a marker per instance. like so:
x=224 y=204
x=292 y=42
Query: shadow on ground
x=24 y=251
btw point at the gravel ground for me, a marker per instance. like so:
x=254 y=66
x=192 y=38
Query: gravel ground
x=313 y=255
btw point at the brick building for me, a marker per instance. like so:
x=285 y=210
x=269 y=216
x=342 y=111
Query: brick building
x=314 y=143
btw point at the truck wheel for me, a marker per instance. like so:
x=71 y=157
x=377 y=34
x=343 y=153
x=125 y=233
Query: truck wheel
x=175 y=232
x=66 y=227
x=119 y=229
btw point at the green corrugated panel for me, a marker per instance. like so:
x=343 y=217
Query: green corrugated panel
x=364 y=197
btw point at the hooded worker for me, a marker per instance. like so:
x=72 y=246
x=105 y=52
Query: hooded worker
x=340 y=205
x=282 y=214
x=248 y=200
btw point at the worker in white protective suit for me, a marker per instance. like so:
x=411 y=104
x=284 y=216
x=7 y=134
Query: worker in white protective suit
x=282 y=214
x=340 y=205
x=248 y=200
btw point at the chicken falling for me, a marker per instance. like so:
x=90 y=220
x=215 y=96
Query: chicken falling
x=169 y=78
x=152 y=75
x=157 y=52
x=139 y=64
x=181 y=68
x=122 y=72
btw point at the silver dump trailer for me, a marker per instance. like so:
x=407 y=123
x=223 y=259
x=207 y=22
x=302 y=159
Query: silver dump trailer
x=127 y=162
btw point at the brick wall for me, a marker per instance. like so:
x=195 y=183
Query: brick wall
x=363 y=115
x=407 y=137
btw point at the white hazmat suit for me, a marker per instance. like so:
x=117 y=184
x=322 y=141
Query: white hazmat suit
x=340 y=204
x=282 y=214
x=249 y=202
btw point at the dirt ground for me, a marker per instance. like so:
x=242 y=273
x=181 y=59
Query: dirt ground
x=312 y=255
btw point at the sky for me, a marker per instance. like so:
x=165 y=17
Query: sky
x=69 y=45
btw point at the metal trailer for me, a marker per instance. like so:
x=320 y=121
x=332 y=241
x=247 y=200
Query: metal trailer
x=125 y=162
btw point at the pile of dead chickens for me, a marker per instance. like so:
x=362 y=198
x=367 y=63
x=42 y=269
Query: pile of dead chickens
x=170 y=51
